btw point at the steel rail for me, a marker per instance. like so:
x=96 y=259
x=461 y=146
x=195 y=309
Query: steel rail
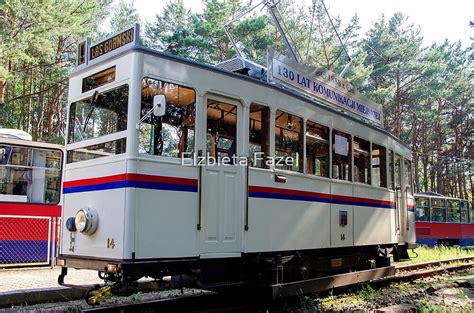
x=415 y=266
x=206 y=301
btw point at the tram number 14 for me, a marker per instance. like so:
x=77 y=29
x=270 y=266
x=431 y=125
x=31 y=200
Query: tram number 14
x=110 y=243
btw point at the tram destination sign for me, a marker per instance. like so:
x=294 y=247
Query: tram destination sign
x=325 y=85
x=111 y=45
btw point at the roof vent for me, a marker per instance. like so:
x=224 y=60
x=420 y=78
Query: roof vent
x=245 y=67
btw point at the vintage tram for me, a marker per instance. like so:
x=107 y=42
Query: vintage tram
x=156 y=181
x=30 y=194
x=442 y=220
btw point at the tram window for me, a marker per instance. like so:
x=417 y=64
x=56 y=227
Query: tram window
x=221 y=129
x=102 y=114
x=97 y=151
x=259 y=134
x=391 y=169
x=341 y=155
x=422 y=209
x=30 y=175
x=317 y=149
x=289 y=140
x=361 y=161
x=98 y=79
x=379 y=165
x=464 y=212
x=171 y=135
x=454 y=211
x=438 y=210
x=397 y=171
x=407 y=177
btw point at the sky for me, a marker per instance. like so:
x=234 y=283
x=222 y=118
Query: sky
x=438 y=19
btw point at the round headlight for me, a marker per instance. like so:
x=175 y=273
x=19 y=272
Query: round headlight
x=86 y=221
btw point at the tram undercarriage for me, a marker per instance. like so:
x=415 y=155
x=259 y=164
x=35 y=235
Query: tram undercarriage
x=252 y=270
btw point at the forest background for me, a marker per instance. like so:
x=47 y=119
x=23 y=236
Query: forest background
x=427 y=91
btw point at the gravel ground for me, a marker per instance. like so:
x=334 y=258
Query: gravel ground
x=443 y=293
x=79 y=305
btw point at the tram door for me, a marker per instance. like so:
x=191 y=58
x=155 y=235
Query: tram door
x=222 y=183
x=399 y=200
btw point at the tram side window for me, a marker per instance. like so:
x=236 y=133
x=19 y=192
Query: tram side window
x=361 y=161
x=259 y=135
x=454 y=211
x=171 y=135
x=222 y=131
x=464 y=212
x=391 y=170
x=407 y=177
x=289 y=141
x=422 y=209
x=438 y=210
x=341 y=155
x=317 y=149
x=379 y=165
x=30 y=175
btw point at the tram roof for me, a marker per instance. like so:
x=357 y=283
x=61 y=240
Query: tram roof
x=211 y=68
x=27 y=143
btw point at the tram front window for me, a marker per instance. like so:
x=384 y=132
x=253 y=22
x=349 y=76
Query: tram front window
x=101 y=114
x=422 y=209
x=170 y=135
x=29 y=175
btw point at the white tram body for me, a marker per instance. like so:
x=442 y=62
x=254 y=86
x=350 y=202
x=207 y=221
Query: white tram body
x=145 y=213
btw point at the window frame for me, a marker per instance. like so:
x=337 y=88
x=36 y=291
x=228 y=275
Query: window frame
x=103 y=138
x=60 y=171
x=386 y=167
x=329 y=129
x=450 y=208
x=438 y=208
x=369 y=156
x=168 y=159
x=268 y=153
x=301 y=160
x=424 y=207
x=349 y=150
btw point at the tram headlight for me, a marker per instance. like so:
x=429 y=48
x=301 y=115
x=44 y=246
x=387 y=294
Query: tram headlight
x=86 y=221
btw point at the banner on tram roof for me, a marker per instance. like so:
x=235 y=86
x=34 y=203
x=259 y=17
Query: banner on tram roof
x=323 y=84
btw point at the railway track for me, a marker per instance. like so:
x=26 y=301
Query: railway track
x=238 y=300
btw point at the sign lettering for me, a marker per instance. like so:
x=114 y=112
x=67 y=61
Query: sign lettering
x=112 y=43
x=326 y=85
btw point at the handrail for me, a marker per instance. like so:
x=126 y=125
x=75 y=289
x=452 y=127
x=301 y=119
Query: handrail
x=199 y=226
x=397 y=209
x=406 y=204
x=246 y=226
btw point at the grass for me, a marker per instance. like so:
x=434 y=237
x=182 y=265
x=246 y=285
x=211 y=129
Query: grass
x=425 y=306
x=427 y=254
